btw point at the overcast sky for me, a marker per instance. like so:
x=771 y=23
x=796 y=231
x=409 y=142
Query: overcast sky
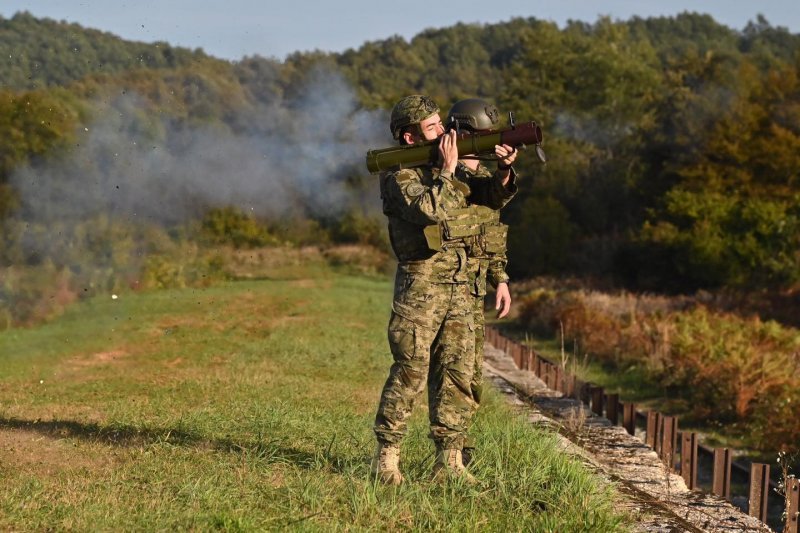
x=235 y=28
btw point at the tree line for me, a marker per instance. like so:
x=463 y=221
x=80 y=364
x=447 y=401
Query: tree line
x=674 y=142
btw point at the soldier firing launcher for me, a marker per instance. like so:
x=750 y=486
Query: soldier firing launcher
x=479 y=144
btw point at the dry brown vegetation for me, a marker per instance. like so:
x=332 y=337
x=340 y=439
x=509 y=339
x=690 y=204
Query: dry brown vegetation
x=741 y=371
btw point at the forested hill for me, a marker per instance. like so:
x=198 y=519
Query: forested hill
x=674 y=143
x=489 y=59
x=42 y=52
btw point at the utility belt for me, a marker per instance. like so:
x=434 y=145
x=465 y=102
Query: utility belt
x=476 y=227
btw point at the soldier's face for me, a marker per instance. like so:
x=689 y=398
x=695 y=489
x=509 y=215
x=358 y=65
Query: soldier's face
x=430 y=129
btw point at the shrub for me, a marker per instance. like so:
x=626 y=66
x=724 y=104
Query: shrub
x=56 y=264
x=355 y=227
x=360 y=259
x=229 y=225
x=721 y=240
x=191 y=268
x=719 y=366
x=34 y=294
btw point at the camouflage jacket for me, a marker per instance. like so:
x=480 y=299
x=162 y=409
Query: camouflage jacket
x=488 y=259
x=423 y=197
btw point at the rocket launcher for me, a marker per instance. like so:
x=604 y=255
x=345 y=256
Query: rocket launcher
x=479 y=145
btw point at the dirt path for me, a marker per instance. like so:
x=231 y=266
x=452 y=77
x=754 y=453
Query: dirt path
x=657 y=498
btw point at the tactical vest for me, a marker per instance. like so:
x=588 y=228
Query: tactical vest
x=477 y=227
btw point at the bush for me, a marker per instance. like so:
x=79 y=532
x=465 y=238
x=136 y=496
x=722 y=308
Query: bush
x=301 y=232
x=721 y=367
x=718 y=240
x=355 y=227
x=229 y=225
x=34 y=294
x=190 y=268
x=360 y=259
x=49 y=267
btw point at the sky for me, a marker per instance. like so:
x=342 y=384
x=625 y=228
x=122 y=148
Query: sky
x=236 y=28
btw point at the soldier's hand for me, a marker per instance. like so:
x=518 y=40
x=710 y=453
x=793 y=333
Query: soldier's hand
x=502 y=300
x=448 y=151
x=506 y=155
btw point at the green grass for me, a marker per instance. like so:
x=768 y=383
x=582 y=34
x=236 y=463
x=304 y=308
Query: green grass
x=633 y=384
x=248 y=406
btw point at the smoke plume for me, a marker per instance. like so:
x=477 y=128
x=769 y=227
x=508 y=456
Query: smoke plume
x=291 y=158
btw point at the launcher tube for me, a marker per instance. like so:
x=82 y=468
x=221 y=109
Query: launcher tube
x=469 y=143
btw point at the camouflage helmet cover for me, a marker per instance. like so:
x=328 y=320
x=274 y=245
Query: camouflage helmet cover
x=474 y=114
x=411 y=110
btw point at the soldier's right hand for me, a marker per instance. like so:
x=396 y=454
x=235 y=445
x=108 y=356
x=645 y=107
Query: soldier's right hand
x=448 y=151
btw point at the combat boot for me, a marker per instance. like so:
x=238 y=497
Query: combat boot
x=450 y=464
x=386 y=464
x=467 y=454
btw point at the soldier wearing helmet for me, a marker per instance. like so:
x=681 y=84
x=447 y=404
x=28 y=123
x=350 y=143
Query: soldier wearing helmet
x=407 y=116
x=431 y=329
x=487 y=256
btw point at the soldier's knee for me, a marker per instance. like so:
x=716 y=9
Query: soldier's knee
x=412 y=377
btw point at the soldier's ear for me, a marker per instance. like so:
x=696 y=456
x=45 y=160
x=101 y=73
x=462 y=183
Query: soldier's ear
x=409 y=138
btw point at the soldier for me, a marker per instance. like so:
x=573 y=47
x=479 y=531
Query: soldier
x=431 y=329
x=487 y=254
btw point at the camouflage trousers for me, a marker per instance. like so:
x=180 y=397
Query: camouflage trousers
x=432 y=340
x=477 y=274
x=476 y=384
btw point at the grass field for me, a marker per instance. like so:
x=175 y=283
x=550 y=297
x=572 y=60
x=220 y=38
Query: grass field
x=248 y=406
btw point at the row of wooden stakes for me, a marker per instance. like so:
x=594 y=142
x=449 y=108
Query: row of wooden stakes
x=660 y=432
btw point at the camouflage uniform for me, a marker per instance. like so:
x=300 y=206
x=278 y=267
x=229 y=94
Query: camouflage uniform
x=487 y=260
x=432 y=326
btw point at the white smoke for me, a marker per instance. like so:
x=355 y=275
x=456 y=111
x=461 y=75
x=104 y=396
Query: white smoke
x=291 y=159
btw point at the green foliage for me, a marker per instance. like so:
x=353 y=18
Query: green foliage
x=359 y=228
x=43 y=52
x=716 y=240
x=544 y=234
x=34 y=294
x=33 y=124
x=645 y=122
x=301 y=231
x=192 y=268
x=229 y=225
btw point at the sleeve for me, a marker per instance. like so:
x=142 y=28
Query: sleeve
x=406 y=197
x=496 y=274
x=496 y=270
x=490 y=191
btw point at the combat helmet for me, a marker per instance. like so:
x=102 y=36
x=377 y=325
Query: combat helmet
x=411 y=110
x=473 y=114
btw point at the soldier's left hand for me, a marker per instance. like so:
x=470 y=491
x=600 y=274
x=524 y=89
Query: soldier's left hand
x=506 y=155
x=502 y=300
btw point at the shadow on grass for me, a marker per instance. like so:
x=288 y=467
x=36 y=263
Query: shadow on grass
x=135 y=437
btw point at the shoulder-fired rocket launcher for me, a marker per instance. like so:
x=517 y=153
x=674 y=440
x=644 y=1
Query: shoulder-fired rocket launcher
x=479 y=145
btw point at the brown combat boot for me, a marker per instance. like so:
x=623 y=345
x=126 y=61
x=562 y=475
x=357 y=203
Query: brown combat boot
x=449 y=464
x=467 y=454
x=386 y=464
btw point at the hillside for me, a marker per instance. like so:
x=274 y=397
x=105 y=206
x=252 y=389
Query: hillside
x=39 y=53
x=673 y=142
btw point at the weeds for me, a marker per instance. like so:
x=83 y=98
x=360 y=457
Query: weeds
x=715 y=366
x=575 y=420
x=787 y=483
